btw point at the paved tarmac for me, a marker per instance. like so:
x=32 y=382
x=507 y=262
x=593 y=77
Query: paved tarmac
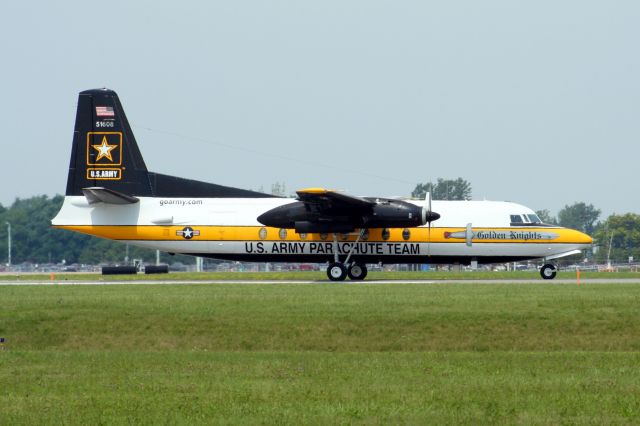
x=305 y=282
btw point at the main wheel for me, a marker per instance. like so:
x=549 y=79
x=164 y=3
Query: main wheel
x=548 y=271
x=336 y=272
x=357 y=272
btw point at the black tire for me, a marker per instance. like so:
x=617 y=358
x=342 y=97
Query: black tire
x=357 y=272
x=548 y=271
x=156 y=269
x=119 y=270
x=336 y=272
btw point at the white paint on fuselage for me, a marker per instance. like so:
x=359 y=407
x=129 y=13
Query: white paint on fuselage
x=244 y=211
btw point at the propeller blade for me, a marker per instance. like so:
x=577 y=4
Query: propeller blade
x=427 y=197
x=428 y=215
x=429 y=242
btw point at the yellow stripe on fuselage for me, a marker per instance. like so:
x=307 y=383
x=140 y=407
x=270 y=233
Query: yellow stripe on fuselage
x=252 y=233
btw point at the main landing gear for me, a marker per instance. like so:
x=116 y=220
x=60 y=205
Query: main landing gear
x=338 y=271
x=548 y=271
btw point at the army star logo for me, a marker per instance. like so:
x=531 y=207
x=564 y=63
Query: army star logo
x=104 y=150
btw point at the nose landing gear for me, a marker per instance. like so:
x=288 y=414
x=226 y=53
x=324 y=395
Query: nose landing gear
x=548 y=271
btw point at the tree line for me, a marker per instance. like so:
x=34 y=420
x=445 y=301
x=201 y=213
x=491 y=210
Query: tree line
x=34 y=240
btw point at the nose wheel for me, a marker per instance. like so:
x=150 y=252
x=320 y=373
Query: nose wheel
x=548 y=271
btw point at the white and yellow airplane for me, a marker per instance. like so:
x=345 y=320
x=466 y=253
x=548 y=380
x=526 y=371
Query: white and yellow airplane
x=111 y=194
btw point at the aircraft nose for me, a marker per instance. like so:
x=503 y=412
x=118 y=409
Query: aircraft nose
x=581 y=238
x=587 y=238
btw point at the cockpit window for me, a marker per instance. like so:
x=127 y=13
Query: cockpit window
x=516 y=218
x=526 y=219
x=534 y=218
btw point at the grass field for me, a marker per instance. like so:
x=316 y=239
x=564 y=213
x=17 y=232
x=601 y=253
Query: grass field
x=309 y=354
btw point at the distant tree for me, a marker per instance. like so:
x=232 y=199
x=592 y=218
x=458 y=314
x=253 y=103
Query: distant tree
x=444 y=189
x=545 y=217
x=623 y=233
x=30 y=228
x=579 y=216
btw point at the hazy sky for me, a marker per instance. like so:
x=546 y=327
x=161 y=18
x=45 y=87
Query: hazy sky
x=536 y=102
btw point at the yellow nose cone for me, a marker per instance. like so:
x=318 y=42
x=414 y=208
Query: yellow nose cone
x=577 y=237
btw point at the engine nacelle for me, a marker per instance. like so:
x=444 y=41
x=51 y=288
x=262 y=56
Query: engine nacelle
x=383 y=213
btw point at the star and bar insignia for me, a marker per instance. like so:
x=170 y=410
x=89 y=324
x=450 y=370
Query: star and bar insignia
x=188 y=233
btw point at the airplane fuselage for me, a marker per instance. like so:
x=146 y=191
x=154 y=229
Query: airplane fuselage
x=226 y=228
x=111 y=194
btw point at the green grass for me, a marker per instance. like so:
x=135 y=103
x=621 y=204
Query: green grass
x=321 y=353
x=313 y=388
x=313 y=275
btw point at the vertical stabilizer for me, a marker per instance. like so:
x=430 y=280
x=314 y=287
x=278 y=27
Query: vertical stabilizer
x=105 y=153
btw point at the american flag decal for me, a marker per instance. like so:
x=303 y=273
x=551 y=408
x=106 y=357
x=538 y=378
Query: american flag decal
x=104 y=111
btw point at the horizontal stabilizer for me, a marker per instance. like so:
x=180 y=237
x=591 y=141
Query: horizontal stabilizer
x=108 y=196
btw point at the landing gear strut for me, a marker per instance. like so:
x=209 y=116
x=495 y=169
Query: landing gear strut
x=548 y=271
x=338 y=271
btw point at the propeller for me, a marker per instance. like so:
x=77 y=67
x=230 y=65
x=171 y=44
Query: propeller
x=428 y=216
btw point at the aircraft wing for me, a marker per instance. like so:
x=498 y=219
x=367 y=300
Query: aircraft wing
x=323 y=211
x=323 y=200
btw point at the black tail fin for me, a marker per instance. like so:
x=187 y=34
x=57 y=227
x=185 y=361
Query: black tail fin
x=105 y=155
x=105 y=152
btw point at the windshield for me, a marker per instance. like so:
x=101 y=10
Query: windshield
x=534 y=218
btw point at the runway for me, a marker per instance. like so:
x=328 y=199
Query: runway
x=322 y=282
